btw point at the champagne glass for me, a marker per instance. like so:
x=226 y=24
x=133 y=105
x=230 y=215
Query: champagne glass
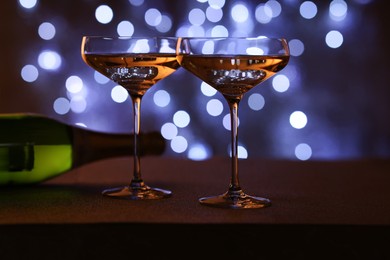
x=136 y=64
x=233 y=66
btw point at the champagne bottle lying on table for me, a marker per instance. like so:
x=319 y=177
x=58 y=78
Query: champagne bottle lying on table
x=34 y=148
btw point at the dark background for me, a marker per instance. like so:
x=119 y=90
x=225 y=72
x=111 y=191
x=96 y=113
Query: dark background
x=343 y=91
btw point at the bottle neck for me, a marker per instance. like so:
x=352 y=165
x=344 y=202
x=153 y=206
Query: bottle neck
x=90 y=146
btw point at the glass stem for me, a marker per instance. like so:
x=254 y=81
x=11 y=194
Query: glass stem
x=234 y=182
x=137 y=120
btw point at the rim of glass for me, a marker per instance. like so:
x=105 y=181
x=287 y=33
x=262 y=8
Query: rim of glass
x=233 y=38
x=124 y=37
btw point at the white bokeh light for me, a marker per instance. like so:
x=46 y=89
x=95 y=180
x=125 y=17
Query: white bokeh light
x=280 y=83
x=169 y=131
x=61 y=106
x=303 y=151
x=308 y=10
x=226 y=122
x=125 y=28
x=242 y=152
x=29 y=73
x=196 y=16
x=181 y=118
x=217 y=4
x=100 y=78
x=136 y=2
x=298 y=119
x=254 y=51
x=179 y=144
x=208 y=47
x=263 y=14
x=78 y=104
x=28 y=4
x=195 y=31
x=153 y=17
x=334 y=39
x=207 y=90
x=49 y=60
x=214 y=15
x=104 y=14
x=141 y=46
x=74 y=84
x=256 y=101
x=338 y=10
x=161 y=98
x=165 y=25
x=219 y=31
x=296 y=47
x=214 y=107
x=198 y=152
x=275 y=7
x=46 y=31
x=119 y=94
x=239 y=13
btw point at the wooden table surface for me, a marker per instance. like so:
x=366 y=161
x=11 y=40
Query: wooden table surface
x=343 y=202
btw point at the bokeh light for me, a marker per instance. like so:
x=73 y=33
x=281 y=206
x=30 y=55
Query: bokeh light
x=136 y=2
x=169 y=131
x=104 y=14
x=214 y=107
x=214 y=15
x=298 y=119
x=49 y=60
x=256 y=101
x=74 y=84
x=100 y=78
x=296 y=47
x=275 y=7
x=308 y=10
x=303 y=151
x=226 y=122
x=61 y=105
x=29 y=73
x=198 y=152
x=207 y=90
x=196 y=16
x=49 y=64
x=334 y=39
x=78 y=104
x=217 y=4
x=280 y=83
x=28 y=3
x=181 y=118
x=240 y=13
x=263 y=13
x=338 y=10
x=153 y=17
x=219 y=31
x=165 y=25
x=125 y=28
x=46 y=31
x=161 y=98
x=119 y=94
x=179 y=144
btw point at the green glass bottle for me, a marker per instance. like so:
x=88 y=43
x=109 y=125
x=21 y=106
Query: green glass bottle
x=35 y=148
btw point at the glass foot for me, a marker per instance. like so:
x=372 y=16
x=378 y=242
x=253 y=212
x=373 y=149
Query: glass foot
x=137 y=193
x=235 y=200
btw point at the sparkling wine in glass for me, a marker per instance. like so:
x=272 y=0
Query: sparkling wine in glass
x=136 y=64
x=233 y=66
